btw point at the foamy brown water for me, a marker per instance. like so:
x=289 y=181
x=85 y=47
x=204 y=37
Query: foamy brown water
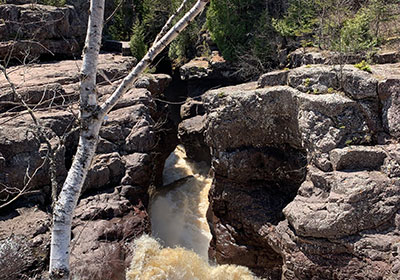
x=152 y=262
x=178 y=217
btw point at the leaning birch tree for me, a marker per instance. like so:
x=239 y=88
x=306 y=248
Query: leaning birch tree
x=92 y=115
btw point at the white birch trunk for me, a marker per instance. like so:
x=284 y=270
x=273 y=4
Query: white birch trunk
x=90 y=126
x=91 y=117
x=64 y=208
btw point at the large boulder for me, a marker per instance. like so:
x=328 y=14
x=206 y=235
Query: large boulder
x=24 y=242
x=103 y=224
x=317 y=79
x=357 y=157
x=339 y=204
x=52 y=86
x=330 y=121
x=190 y=133
x=191 y=108
x=155 y=83
x=203 y=73
x=49 y=84
x=274 y=78
x=269 y=117
x=344 y=224
x=26 y=162
x=311 y=55
x=213 y=67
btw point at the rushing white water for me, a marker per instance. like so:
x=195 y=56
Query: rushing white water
x=152 y=262
x=178 y=215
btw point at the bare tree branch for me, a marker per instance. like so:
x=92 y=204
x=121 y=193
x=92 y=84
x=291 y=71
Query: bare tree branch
x=27 y=185
x=169 y=21
x=151 y=54
x=41 y=135
x=113 y=13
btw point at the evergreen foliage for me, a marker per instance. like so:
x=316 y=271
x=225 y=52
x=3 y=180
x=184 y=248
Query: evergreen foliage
x=243 y=33
x=246 y=34
x=232 y=24
x=300 y=20
x=347 y=26
x=355 y=35
x=137 y=44
x=184 y=46
x=150 y=16
x=120 y=25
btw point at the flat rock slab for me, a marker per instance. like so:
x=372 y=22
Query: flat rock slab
x=357 y=158
x=275 y=78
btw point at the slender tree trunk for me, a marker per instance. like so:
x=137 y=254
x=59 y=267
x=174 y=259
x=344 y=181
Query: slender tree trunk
x=90 y=126
x=91 y=118
x=64 y=208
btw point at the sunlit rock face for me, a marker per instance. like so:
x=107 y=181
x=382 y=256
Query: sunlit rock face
x=307 y=178
x=112 y=210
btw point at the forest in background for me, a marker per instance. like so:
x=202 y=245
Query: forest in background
x=252 y=33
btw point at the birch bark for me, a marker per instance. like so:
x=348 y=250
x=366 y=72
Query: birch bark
x=90 y=126
x=91 y=118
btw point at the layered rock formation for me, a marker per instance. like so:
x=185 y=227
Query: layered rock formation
x=306 y=169
x=28 y=31
x=307 y=56
x=129 y=157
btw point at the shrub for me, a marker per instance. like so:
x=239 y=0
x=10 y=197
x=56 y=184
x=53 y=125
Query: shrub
x=243 y=32
x=347 y=26
x=120 y=25
x=150 y=16
x=380 y=12
x=184 y=46
x=363 y=65
x=355 y=35
x=300 y=19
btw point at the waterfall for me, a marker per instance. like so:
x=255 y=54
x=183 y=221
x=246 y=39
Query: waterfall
x=178 y=217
